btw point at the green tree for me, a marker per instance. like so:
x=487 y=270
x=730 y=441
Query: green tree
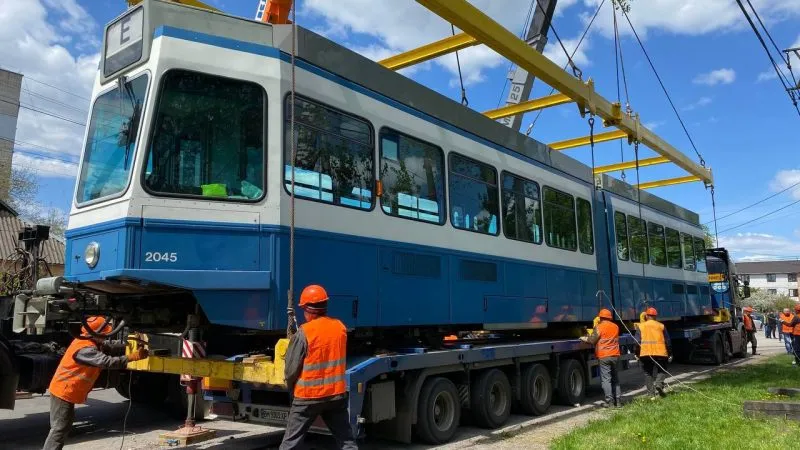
x=708 y=237
x=22 y=197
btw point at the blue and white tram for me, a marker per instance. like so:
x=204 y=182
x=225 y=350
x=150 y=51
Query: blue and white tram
x=412 y=210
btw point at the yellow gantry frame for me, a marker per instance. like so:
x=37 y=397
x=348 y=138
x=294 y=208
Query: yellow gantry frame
x=479 y=28
x=631 y=165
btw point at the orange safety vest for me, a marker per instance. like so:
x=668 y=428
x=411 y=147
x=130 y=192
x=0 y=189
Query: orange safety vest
x=653 y=343
x=325 y=361
x=786 y=329
x=72 y=381
x=796 y=329
x=608 y=344
x=748 y=323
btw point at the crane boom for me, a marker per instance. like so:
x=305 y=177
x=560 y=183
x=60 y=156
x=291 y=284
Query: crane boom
x=274 y=11
x=521 y=80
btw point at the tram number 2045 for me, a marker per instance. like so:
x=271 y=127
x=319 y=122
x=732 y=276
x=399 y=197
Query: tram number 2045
x=160 y=257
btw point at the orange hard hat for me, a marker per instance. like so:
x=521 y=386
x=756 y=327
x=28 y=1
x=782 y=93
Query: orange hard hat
x=747 y=309
x=314 y=298
x=651 y=312
x=605 y=314
x=98 y=324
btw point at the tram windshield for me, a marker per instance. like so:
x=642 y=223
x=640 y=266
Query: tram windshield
x=111 y=141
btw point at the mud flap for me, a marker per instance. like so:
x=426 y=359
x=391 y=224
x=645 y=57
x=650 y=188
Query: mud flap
x=9 y=376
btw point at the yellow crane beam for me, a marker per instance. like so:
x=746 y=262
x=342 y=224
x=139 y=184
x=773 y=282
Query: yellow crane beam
x=528 y=105
x=488 y=32
x=429 y=51
x=631 y=164
x=586 y=140
x=669 y=182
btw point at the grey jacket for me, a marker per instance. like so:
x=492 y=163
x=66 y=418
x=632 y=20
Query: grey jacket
x=108 y=355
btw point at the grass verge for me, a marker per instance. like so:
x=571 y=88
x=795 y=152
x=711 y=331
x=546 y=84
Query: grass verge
x=688 y=420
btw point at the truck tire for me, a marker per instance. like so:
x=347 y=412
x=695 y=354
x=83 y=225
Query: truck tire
x=571 y=383
x=536 y=390
x=490 y=398
x=742 y=351
x=717 y=348
x=438 y=411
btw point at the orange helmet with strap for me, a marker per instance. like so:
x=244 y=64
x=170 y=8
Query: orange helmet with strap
x=605 y=314
x=314 y=299
x=98 y=324
x=651 y=312
x=747 y=309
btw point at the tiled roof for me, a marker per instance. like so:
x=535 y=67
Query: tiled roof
x=10 y=225
x=761 y=267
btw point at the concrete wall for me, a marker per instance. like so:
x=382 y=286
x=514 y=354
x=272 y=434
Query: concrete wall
x=10 y=86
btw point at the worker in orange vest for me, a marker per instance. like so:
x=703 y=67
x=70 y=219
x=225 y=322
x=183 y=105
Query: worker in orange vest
x=795 y=324
x=785 y=319
x=77 y=372
x=605 y=338
x=749 y=328
x=315 y=373
x=654 y=351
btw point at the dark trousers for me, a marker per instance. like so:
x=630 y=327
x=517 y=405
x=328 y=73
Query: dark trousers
x=751 y=338
x=333 y=412
x=609 y=378
x=767 y=331
x=796 y=348
x=62 y=414
x=772 y=330
x=654 y=374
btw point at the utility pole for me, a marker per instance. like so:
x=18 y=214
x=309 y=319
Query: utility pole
x=521 y=80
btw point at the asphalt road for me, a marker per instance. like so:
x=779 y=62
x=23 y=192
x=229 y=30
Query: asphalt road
x=98 y=424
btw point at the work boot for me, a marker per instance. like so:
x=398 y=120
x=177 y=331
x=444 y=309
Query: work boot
x=661 y=392
x=605 y=404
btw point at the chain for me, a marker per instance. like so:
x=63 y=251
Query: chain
x=291 y=322
x=591 y=144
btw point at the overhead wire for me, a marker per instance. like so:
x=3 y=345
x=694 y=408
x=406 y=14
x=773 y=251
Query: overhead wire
x=65 y=119
x=28 y=77
x=757 y=203
x=759 y=217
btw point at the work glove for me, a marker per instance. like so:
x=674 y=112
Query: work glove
x=584 y=339
x=138 y=354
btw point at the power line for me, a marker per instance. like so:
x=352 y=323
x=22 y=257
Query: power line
x=760 y=217
x=27 y=77
x=663 y=87
x=756 y=203
x=43 y=112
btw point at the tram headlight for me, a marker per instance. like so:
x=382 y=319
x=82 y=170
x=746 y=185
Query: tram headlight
x=92 y=254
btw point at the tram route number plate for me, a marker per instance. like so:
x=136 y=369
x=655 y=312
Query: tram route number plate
x=274 y=415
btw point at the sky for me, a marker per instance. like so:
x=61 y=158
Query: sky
x=716 y=72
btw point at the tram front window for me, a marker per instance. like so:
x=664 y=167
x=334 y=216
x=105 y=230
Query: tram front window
x=111 y=141
x=207 y=139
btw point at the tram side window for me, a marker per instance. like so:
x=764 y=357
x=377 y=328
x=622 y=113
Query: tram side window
x=673 y=249
x=637 y=234
x=658 y=247
x=412 y=174
x=208 y=138
x=621 y=230
x=522 y=212
x=473 y=195
x=688 y=252
x=334 y=155
x=585 y=232
x=559 y=220
x=700 y=254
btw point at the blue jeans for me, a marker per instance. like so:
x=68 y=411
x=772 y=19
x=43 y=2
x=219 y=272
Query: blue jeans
x=787 y=341
x=767 y=330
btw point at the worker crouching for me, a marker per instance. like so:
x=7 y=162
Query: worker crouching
x=315 y=374
x=605 y=339
x=654 y=352
x=76 y=374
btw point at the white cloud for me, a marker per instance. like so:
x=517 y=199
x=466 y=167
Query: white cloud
x=785 y=179
x=715 y=77
x=693 y=17
x=555 y=53
x=34 y=34
x=767 y=75
x=755 y=246
x=702 y=101
x=654 y=124
x=45 y=167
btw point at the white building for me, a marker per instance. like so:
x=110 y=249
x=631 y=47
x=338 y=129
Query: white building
x=777 y=277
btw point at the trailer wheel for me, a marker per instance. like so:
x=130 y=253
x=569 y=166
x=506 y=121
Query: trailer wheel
x=727 y=347
x=536 y=390
x=438 y=411
x=490 y=399
x=571 y=382
x=742 y=351
x=717 y=348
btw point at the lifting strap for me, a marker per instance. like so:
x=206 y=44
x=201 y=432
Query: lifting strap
x=291 y=323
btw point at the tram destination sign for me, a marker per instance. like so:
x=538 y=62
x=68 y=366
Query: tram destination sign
x=124 y=42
